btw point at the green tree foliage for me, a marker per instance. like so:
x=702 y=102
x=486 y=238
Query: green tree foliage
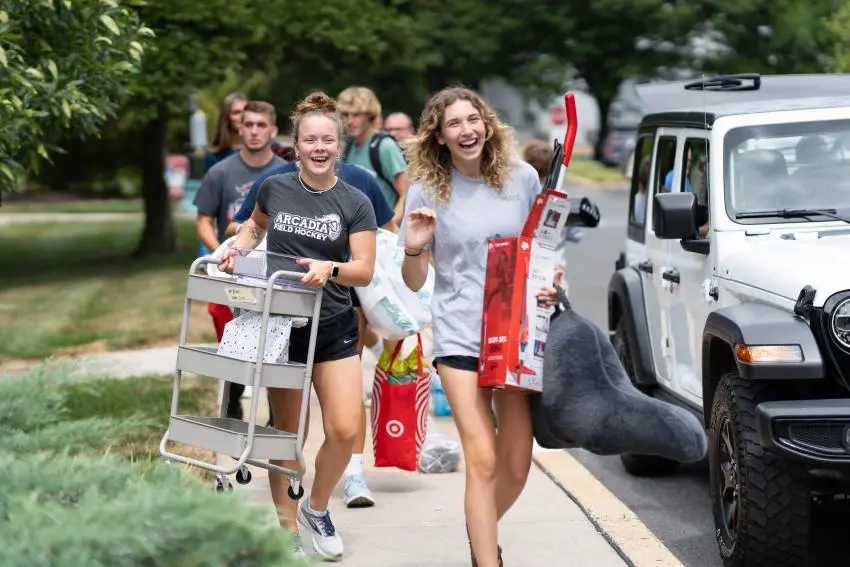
x=201 y=41
x=64 y=67
x=839 y=26
x=66 y=503
x=772 y=36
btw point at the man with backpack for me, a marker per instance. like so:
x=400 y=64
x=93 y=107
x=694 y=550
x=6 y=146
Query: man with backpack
x=370 y=148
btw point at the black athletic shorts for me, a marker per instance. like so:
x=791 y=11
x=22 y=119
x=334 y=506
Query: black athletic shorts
x=468 y=363
x=335 y=339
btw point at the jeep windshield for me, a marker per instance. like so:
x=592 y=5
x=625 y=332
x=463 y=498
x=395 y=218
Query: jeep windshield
x=792 y=172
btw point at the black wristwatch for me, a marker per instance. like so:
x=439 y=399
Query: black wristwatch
x=334 y=271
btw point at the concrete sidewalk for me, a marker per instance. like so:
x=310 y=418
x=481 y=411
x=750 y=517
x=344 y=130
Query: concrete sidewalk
x=419 y=522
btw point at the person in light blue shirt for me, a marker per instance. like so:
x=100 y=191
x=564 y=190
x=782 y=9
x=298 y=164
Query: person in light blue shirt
x=668 y=179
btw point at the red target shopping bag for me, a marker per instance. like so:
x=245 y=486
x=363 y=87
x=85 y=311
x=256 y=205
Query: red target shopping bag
x=401 y=399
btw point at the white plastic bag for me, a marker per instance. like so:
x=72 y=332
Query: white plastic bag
x=392 y=309
x=440 y=453
x=386 y=314
x=242 y=336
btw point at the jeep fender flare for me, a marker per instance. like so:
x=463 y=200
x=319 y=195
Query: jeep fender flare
x=755 y=324
x=625 y=302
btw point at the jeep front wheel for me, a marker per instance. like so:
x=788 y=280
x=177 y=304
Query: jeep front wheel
x=759 y=500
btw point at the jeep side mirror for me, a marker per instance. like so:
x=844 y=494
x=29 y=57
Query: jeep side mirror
x=674 y=215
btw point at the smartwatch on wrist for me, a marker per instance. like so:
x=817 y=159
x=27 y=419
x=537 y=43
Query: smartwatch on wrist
x=334 y=271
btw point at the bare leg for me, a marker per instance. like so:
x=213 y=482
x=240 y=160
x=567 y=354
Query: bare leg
x=286 y=407
x=513 y=447
x=339 y=386
x=360 y=440
x=471 y=410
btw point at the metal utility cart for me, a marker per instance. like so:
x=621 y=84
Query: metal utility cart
x=245 y=441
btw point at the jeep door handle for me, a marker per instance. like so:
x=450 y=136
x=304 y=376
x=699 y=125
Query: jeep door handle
x=645 y=266
x=671 y=275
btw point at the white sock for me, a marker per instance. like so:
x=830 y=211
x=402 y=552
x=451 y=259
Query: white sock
x=314 y=512
x=355 y=465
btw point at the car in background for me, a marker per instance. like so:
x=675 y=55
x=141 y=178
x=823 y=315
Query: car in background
x=624 y=116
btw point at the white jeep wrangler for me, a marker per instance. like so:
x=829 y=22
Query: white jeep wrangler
x=732 y=297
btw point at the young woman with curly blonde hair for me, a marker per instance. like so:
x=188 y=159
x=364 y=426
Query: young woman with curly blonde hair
x=470 y=187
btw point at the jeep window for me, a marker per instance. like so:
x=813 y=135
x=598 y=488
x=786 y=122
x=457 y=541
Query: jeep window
x=778 y=167
x=665 y=161
x=695 y=178
x=640 y=180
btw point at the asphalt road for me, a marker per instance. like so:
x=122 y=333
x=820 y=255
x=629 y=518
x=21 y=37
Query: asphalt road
x=676 y=508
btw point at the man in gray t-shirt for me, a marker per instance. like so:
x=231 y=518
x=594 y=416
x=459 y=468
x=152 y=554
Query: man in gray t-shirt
x=221 y=194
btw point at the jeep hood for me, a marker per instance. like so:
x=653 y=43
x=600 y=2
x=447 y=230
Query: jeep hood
x=783 y=266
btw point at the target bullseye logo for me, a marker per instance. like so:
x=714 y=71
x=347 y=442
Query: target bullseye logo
x=395 y=428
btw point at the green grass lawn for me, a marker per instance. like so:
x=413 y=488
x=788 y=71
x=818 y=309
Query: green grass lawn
x=75 y=206
x=71 y=288
x=595 y=171
x=148 y=397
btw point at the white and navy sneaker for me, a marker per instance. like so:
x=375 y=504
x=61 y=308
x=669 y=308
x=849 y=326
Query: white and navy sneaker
x=355 y=492
x=326 y=542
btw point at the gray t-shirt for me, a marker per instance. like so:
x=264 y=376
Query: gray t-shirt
x=474 y=214
x=314 y=225
x=224 y=188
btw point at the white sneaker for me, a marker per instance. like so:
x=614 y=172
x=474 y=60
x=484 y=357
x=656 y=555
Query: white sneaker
x=326 y=541
x=355 y=492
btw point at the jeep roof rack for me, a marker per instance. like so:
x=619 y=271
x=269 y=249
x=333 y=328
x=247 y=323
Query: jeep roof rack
x=744 y=93
x=727 y=83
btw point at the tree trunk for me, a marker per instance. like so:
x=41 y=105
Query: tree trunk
x=604 y=106
x=159 y=235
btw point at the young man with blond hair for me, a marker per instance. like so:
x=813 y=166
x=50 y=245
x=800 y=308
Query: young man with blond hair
x=379 y=154
x=370 y=148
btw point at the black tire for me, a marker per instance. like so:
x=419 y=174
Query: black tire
x=760 y=501
x=638 y=465
x=647 y=465
x=622 y=346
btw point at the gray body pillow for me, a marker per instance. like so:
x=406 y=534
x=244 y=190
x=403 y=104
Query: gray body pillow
x=588 y=400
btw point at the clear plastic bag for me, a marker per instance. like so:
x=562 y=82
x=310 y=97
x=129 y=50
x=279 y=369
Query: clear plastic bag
x=440 y=453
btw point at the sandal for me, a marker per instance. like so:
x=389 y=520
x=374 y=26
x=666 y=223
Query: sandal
x=472 y=553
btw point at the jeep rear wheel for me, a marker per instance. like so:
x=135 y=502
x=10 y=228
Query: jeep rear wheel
x=759 y=500
x=638 y=465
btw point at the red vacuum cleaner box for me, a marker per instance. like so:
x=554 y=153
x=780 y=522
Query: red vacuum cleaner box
x=514 y=326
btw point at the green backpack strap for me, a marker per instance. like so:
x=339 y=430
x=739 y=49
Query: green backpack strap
x=375 y=156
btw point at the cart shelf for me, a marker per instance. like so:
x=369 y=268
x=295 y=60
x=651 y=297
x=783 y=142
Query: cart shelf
x=227 y=436
x=295 y=302
x=205 y=361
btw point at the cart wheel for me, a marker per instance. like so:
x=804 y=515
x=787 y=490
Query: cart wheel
x=296 y=495
x=221 y=483
x=243 y=476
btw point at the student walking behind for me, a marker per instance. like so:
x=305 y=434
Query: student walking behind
x=221 y=194
x=400 y=126
x=376 y=151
